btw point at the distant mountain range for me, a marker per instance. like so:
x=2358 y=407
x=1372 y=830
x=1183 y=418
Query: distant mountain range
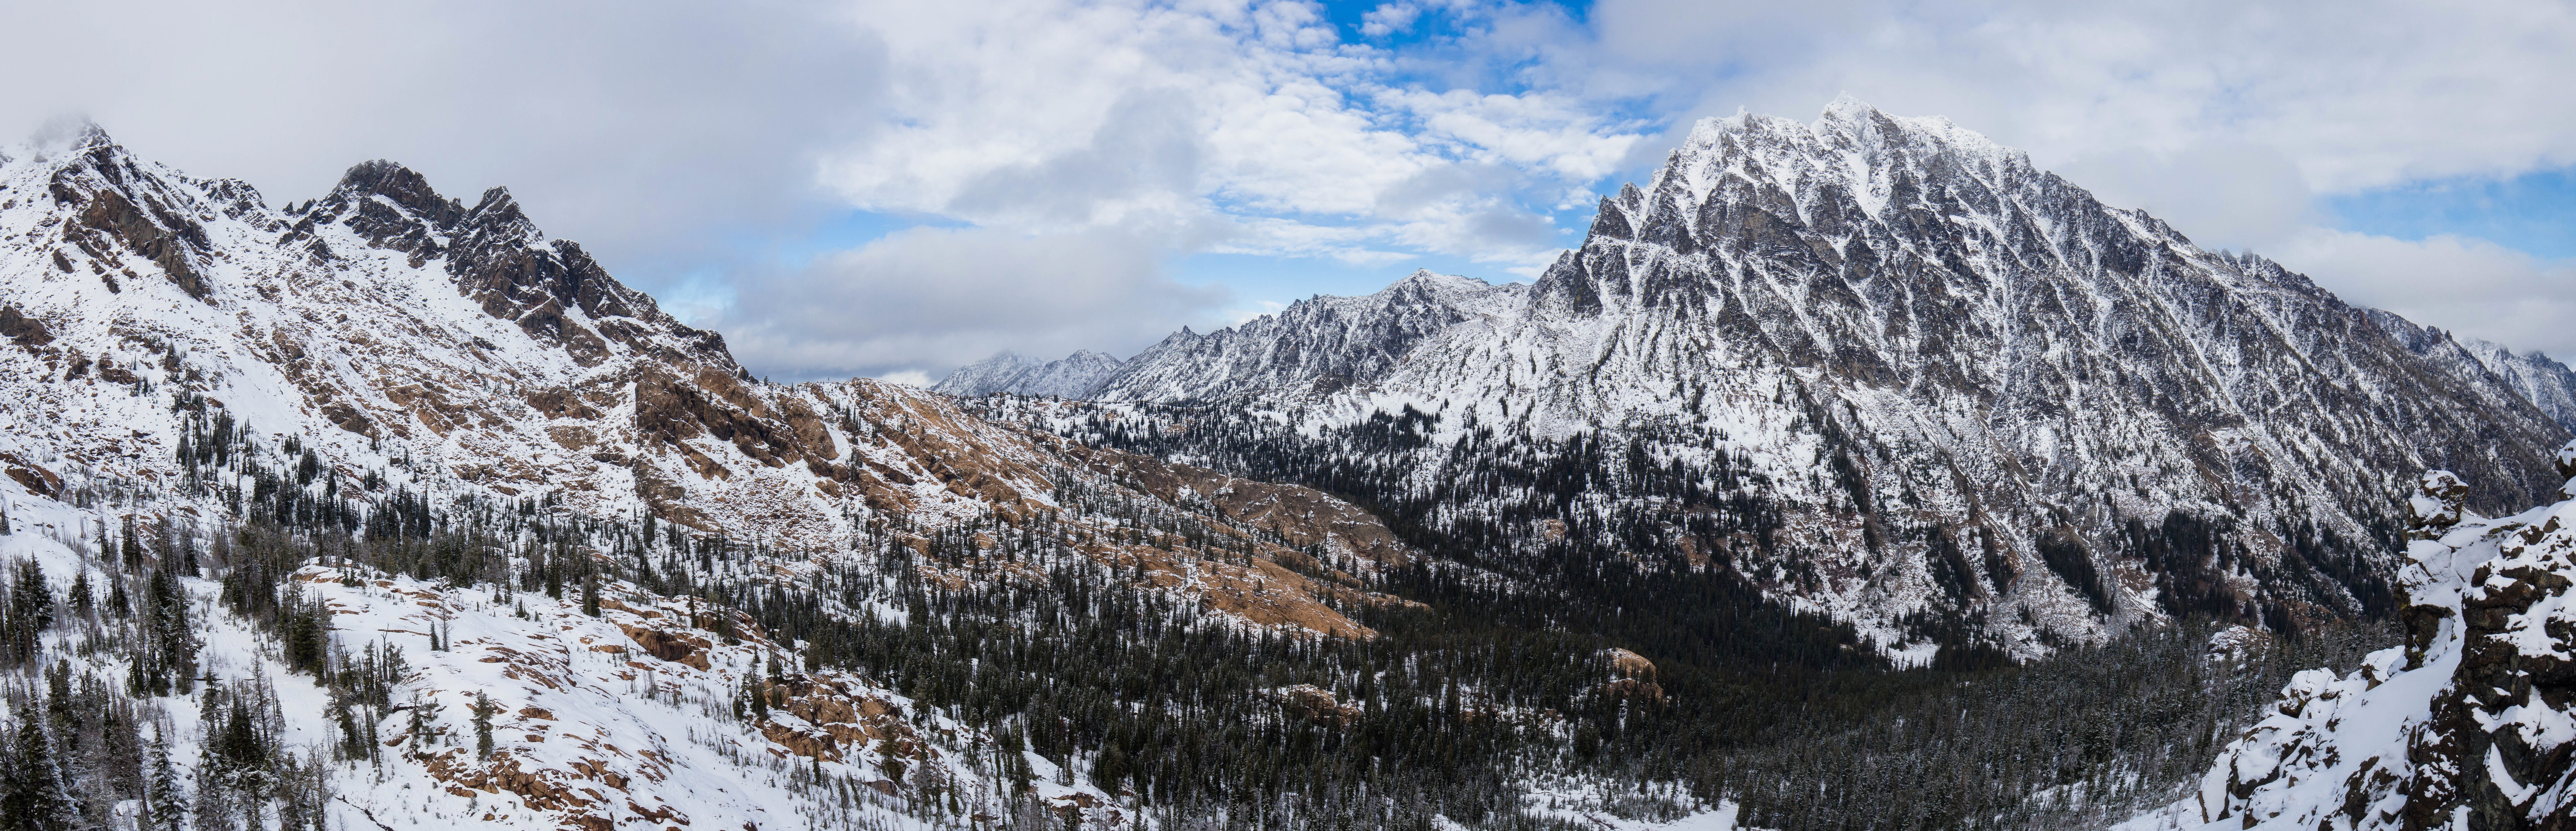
x=1074 y=376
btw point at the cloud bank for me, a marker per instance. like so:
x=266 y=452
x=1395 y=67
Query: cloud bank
x=1032 y=170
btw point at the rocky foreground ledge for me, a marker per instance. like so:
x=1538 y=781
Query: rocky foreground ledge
x=2470 y=725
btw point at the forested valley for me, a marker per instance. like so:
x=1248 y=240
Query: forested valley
x=1485 y=692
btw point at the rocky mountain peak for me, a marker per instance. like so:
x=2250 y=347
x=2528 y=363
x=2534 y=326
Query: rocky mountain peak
x=402 y=186
x=1928 y=300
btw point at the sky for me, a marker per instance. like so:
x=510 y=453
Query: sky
x=895 y=189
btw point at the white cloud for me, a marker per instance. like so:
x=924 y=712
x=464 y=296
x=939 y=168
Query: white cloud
x=909 y=377
x=2354 y=95
x=2233 y=196
x=1389 y=19
x=928 y=299
x=1232 y=119
x=2464 y=285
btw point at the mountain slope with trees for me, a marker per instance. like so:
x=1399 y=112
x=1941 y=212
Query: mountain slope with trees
x=1886 y=370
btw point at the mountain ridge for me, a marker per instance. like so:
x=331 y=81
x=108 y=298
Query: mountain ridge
x=1072 y=376
x=1911 y=310
x=429 y=415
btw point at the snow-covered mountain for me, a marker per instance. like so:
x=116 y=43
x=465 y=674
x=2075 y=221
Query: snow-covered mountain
x=409 y=412
x=1074 y=376
x=443 y=348
x=1912 y=332
x=2468 y=725
x=1314 y=348
x=2548 y=384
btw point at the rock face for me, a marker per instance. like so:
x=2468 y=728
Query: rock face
x=1008 y=372
x=1314 y=348
x=2548 y=384
x=2467 y=726
x=1900 y=323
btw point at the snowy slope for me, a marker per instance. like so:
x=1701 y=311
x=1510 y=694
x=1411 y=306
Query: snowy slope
x=2469 y=725
x=2549 y=385
x=624 y=718
x=2012 y=359
x=172 y=349
x=1074 y=376
x=444 y=349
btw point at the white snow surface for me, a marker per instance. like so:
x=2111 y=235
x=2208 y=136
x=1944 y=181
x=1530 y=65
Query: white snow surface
x=1073 y=376
x=590 y=726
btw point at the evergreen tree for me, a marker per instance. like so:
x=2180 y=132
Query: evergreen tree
x=132 y=546
x=354 y=743
x=35 y=797
x=27 y=614
x=483 y=712
x=82 y=596
x=166 y=658
x=424 y=714
x=164 y=809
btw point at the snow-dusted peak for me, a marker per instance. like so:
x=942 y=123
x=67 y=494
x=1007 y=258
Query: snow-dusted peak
x=1010 y=372
x=1926 y=295
x=1848 y=108
x=1852 y=147
x=61 y=137
x=987 y=376
x=1316 y=345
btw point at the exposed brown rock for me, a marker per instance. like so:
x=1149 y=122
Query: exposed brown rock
x=21 y=330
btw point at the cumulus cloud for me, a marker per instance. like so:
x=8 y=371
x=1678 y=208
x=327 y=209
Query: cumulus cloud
x=1233 y=119
x=2222 y=195
x=1389 y=19
x=2354 y=94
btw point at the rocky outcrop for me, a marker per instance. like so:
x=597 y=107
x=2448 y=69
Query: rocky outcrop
x=2466 y=726
x=22 y=330
x=122 y=218
x=1632 y=678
